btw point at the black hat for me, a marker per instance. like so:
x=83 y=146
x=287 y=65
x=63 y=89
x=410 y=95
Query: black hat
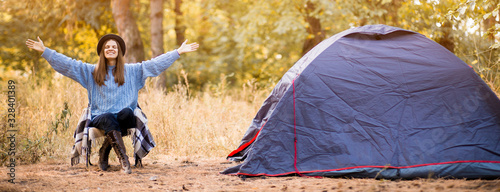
x=108 y=37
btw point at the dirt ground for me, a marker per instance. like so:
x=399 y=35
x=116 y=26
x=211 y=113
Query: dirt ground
x=186 y=174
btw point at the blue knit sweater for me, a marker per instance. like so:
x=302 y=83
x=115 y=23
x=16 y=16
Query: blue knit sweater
x=110 y=98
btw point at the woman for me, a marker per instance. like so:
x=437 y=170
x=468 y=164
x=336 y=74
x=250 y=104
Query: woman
x=113 y=87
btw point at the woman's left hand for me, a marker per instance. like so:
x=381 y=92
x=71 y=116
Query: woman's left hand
x=186 y=48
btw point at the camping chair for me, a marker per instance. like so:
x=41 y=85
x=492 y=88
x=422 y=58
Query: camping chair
x=142 y=140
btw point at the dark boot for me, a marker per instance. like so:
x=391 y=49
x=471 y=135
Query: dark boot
x=119 y=147
x=104 y=154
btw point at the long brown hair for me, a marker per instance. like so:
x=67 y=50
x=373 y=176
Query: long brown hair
x=101 y=70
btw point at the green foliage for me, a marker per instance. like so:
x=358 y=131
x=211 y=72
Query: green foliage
x=31 y=150
x=62 y=121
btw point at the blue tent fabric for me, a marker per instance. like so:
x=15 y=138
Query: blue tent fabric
x=375 y=101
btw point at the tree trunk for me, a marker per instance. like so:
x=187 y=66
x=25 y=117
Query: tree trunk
x=315 y=32
x=179 y=23
x=128 y=30
x=156 y=16
x=447 y=39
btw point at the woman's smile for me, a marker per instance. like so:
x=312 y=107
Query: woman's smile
x=111 y=49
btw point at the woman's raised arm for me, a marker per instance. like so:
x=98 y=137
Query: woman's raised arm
x=76 y=70
x=36 y=45
x=186 y=48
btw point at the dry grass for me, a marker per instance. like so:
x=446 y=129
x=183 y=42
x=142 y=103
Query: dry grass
x=208 y=124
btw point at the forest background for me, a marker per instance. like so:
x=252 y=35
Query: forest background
x=203 y=104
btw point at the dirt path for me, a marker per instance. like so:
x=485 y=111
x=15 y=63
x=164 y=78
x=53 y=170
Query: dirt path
x=202 y=175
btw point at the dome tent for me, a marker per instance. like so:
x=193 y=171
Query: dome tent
x=375 y=101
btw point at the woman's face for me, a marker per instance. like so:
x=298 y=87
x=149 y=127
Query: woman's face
x=111 y=49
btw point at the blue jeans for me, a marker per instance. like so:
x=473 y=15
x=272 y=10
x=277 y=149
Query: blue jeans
x=120 y=121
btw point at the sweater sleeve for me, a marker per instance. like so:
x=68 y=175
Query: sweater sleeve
x=76 y=70
x=155 y=66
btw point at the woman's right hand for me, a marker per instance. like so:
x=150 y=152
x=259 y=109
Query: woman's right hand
x=36 y=45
